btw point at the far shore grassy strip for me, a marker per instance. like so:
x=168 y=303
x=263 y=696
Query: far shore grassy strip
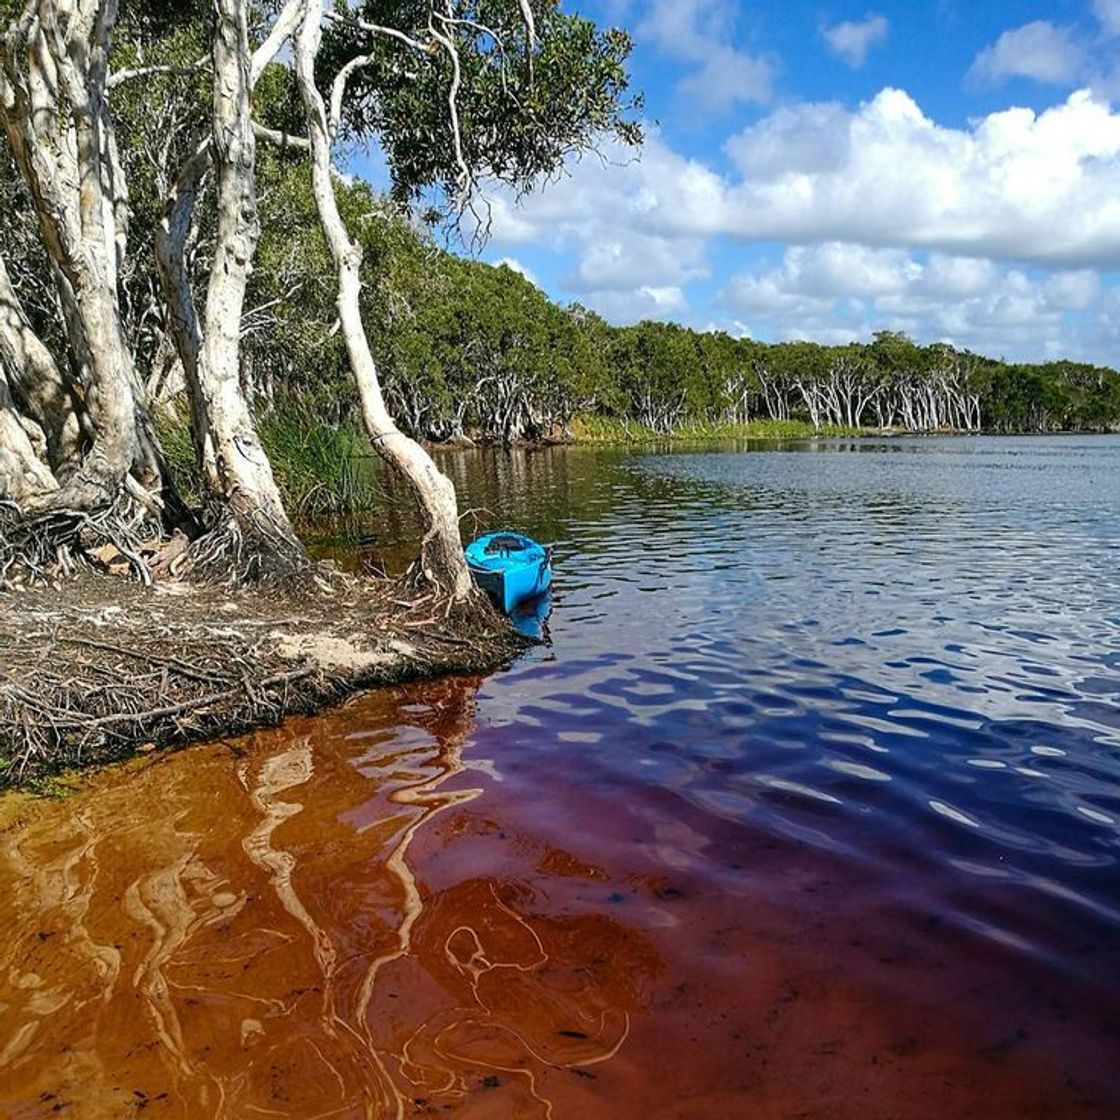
x=598 y=429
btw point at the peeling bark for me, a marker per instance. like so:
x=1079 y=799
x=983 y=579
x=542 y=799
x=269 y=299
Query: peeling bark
x=173 y=239
x=23 y=476
x=234 y=466
x=52 y=106
x=243 y=469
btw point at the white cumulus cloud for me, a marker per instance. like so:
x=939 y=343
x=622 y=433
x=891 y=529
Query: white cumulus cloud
x=1039 y=50
x=701 y=33
x=832 y=291
x=1108 y=15
x=891 y=219
x=646 y=302
x=1015 y=185
x=852 y=39
x=622 y=263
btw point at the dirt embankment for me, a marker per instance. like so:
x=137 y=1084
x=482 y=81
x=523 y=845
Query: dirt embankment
x=95 y=669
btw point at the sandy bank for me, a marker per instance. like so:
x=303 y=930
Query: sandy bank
x=95 y=669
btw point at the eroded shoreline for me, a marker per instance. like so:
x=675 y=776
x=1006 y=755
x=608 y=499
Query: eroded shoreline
x=95 y=669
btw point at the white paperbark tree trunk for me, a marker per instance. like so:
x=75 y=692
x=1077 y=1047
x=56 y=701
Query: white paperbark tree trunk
x=36 y=384
x=54 y=68
x=234 y=465
x=442 y=561
x=23 y=476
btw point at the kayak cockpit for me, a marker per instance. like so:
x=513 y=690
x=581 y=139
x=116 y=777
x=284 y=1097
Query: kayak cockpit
x=510 y=567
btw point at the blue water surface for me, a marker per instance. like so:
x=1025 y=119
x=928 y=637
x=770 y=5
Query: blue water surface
x=903 y=652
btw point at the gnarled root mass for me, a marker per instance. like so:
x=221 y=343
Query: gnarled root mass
x=125 y=538
x=103 y=666
x=40 y=545
x=242 y=553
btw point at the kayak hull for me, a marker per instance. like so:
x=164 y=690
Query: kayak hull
x=510 y=567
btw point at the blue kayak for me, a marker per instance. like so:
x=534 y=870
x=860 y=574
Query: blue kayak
x=510 y=567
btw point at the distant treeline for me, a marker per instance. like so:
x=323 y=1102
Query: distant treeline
x=470 y=350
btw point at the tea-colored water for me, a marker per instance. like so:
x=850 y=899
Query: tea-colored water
x=267 y=928
x=809 y=810
x=355 y=916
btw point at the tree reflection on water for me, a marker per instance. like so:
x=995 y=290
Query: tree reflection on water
x=204 y=935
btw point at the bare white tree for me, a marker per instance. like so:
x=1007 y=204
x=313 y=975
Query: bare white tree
x=442 y=562
x=235 y=468
x=53 y=70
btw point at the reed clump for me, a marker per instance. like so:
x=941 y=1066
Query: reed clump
x=323 y=470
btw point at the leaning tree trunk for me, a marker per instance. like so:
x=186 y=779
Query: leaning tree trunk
x=52 y=87
x=36 y=384
x=442 y=561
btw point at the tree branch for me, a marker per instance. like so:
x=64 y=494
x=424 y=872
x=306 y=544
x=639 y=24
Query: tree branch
x=286 y=22
x=120 y=77
x=530 y=23
x=466 y=179
x=389 y=32
x=338 y=87
x=282 y=140
x=338 y=92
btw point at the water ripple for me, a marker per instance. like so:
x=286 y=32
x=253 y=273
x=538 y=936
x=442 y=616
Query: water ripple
x=909 y=633
x=810 y=806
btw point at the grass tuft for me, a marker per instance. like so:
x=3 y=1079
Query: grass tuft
x=322 y=470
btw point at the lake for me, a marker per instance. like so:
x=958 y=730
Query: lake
x=808 y=806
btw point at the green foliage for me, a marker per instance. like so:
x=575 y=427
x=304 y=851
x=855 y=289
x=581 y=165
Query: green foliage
x=522 y=106
x=477 y=348
x=323 y=470
x=1057 y=396
x=173 y=429
x=469 y=349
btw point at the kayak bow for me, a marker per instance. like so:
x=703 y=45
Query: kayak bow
x=510 y=567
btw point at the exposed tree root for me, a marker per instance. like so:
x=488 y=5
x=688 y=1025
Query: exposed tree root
x=37 y=545
x=238 y=554
x=108 y=666
x=128 y=538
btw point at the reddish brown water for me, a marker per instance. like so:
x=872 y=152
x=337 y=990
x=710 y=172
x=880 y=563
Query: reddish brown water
x=808 y=811
x=353 y=917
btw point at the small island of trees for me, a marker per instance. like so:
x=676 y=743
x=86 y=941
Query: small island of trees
x=151 y=154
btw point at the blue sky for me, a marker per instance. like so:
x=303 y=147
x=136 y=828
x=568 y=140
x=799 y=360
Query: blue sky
x=820 y=169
